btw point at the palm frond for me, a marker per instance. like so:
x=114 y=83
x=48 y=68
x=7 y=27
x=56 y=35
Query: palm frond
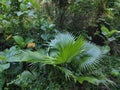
x=67 y=47
x=68 y=74
x=91 y=58
x=91 y=79
x=33 y=57
x=95 y=80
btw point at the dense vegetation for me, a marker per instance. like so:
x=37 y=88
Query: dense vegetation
x=59 y=44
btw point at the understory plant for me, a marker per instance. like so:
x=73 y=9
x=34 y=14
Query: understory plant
x=67 y=59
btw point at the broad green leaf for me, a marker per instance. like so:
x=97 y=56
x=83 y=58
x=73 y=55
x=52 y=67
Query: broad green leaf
x=112 y=33
x=29 y=56
x=19 y=40
x=35 y=3
x=3 y=58
x=105 y=49
x=105 y=31
x=89 y=79
x=28 y=75
x=4 y=67
x=115 y=73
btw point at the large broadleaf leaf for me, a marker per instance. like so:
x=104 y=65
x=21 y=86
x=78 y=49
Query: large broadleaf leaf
x=29 y=56
x=4 y=67
x=19 y=40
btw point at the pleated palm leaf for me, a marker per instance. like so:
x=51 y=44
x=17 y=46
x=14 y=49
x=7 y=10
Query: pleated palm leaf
x=67 y=47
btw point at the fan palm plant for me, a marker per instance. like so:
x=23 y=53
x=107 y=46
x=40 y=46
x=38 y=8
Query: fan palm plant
x=75 y=57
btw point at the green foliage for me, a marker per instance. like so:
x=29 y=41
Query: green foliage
x=115 y=73
x=2 y=80
x=111 y=68
x=24 y=79
x=108 y=33
x=112 y=39
x=35 y=3
x=2 y=58
x=80 y=57
x=4 y=67
x=21 y=18
x=19 y=40
x=33 y=57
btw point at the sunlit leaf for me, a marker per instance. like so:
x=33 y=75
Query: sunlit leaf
x=89 y=79
x=3 y=58
x=35 y=3
x=19 y=40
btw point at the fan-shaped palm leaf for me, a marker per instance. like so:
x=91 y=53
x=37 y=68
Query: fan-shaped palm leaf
x=91 y=58
x=67 y=47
